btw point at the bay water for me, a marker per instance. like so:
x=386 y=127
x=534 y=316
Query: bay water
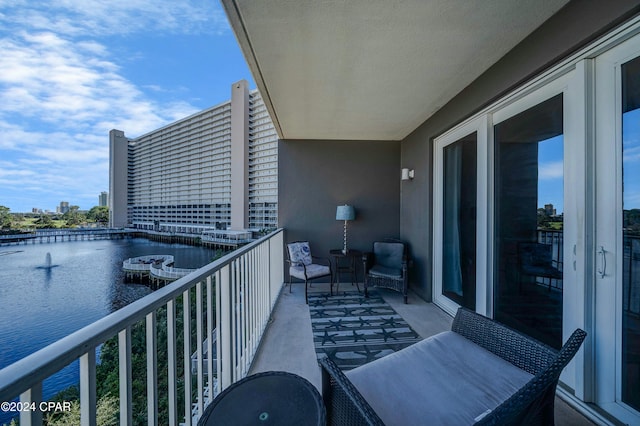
x=50 y=290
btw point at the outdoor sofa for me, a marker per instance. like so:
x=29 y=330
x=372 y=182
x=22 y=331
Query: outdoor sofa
x=481 y=372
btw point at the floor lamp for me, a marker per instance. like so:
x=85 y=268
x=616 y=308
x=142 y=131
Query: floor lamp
x=345 y=213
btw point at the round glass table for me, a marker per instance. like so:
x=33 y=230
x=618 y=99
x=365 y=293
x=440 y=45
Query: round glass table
x=271 y=398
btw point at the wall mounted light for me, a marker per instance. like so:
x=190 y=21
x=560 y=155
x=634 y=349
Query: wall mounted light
x=407 y=174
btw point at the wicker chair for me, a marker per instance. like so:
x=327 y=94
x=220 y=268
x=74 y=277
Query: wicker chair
x=387 y=267
x=536 y=260
x=531 y=404
x=302 y=266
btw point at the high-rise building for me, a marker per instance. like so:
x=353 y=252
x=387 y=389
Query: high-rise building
x=216 y=169
x=64 y=207
x=103 y=199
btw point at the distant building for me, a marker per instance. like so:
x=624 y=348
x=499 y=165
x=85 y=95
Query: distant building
x=216 y=169
x=63 y=208
x=103 y=199
x=549 y=210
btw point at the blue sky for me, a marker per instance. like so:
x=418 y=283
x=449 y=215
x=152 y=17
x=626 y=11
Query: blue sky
x=551 y=173
x=72 y=70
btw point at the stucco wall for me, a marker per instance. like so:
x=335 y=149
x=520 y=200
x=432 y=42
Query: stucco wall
x=579 y=23
x=316 y=176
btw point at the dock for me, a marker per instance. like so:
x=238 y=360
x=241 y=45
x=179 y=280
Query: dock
x=156 y=269
x=62 y=235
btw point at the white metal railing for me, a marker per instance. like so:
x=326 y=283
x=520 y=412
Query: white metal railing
x=234 y=297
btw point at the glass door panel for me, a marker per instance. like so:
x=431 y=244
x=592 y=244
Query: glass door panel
x=459 y=222
x=630 y=365
x=617 y=269
x=529 y=198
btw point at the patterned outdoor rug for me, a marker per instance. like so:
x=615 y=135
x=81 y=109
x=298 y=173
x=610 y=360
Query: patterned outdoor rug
x=353 y=330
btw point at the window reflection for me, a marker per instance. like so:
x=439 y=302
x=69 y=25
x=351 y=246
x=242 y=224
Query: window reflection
x=631 y=233
x=459 y=223
x=529 y=221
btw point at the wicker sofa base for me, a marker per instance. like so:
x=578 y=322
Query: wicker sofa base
x=533 y=403
x=397 y=285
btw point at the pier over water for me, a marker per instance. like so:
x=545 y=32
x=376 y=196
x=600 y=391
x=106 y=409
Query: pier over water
x=62 y=235
x=157 y=268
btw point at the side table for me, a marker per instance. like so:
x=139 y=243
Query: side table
x=271 y=398
x=352 y=257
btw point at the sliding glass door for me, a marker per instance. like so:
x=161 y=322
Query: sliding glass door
x=529 y=199
x=459 y=224
x=617 y=250
x=456 y=219
x=536 y=218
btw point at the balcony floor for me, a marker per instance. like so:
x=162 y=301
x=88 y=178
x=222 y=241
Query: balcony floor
x=288 y=341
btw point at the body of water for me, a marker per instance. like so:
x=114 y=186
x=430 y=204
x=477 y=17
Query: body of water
x=40 y=304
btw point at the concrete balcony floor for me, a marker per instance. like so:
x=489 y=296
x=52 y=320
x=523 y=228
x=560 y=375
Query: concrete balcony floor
x=288 y=342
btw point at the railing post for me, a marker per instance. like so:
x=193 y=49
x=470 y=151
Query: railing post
x=199 y=350
x=124 y=361
x=224 y=327
x=186 y=304
x=31 y=396
x=88 y=388
x=210 y=329
x=152 y=371
x=172 y=363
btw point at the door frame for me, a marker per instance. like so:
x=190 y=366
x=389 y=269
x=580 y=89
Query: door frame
x=480 y=127
x=608 y=244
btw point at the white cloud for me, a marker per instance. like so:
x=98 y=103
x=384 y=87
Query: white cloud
x=551 y=170
x=631 y=154
x=62 y=88
x=115 y=17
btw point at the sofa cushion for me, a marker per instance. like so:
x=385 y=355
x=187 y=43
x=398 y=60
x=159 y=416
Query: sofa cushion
x=443 y=380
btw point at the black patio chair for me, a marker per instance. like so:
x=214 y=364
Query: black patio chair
x=304 y=266
x=387 y=266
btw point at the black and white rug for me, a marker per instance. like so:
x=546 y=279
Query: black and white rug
x=353 y=330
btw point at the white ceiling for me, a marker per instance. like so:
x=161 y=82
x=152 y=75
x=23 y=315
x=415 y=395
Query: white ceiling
x=373 y=69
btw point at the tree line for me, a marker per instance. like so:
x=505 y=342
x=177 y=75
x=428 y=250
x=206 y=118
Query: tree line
x=16 y=222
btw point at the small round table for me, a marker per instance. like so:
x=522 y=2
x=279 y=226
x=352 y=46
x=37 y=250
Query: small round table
x=350 y=267
x=271 y=398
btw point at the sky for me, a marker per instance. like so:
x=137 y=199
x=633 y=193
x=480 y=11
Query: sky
x=551 y=173
x=72 y=70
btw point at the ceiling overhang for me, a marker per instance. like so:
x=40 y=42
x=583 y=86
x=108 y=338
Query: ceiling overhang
x=373 y=69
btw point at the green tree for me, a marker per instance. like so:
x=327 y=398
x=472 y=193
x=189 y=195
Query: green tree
x=73 y=217
x=99 y=214
x=106 y=413
x=44 y=221
x=5 y=218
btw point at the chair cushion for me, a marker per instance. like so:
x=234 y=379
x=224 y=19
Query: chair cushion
x=300 y=253
x=443 y=380
x=381 y=271
x=313 y=271
x=388 y=255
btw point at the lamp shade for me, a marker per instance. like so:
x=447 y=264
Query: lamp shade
x=345 y=213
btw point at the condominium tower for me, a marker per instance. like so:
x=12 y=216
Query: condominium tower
x=214 y=170
x=103 y=199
